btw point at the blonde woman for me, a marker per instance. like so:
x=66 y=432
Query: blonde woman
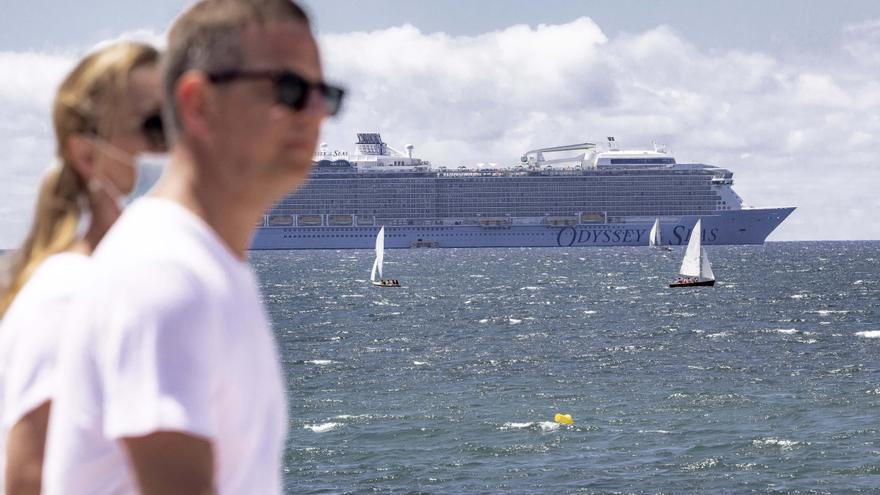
x=106 y=112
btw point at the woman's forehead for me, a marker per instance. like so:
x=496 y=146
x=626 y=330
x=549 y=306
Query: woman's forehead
x=144 y=88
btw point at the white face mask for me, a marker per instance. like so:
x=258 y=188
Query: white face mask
x=148 y=168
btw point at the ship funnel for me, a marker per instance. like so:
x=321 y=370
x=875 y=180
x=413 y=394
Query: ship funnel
x=612 y=145
x=409 y=150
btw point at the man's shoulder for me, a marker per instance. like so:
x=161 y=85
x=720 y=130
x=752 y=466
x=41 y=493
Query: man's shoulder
x=148 y=228
x=159 y=232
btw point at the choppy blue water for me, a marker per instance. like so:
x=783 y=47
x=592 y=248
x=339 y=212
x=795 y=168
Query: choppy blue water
x=767 y=383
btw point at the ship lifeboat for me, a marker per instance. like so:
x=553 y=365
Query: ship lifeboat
x=309 y=220
x=280 y=220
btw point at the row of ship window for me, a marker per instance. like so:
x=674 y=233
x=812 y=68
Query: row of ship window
x=489 y=195
x=513 y=198
x=571 y=186
x=556 y=189
x=629 y=177
x=517 y=212
x=471 y=234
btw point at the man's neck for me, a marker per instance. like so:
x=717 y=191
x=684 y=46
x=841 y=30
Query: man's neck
x=229 y=212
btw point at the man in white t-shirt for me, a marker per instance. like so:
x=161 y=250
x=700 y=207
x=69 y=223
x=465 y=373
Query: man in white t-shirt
x=169 y=377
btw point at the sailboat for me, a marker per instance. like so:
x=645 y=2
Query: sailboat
x=695 y=267
x=376 y=275
x=654 y=236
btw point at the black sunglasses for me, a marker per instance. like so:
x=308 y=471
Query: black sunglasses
x=154 y=131
x=291 y=89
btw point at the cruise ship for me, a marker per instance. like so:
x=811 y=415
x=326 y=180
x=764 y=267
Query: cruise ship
x=577 y=195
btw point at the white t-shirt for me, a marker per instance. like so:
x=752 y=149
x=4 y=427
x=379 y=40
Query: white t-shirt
x=29 y=336
x=171 y=337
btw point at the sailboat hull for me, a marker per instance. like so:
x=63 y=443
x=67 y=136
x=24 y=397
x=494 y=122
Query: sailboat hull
x=385 y=285
x=699 y=283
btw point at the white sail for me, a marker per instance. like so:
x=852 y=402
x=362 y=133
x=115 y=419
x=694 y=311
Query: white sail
x=654 y=236
x=373 y=273
x=380 y=255
x=705 y=267
x=690 y=265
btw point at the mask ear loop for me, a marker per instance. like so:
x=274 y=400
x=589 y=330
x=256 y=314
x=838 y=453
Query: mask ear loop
x=85 y=217
x=97 y=185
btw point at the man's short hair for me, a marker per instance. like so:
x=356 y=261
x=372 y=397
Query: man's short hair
x=207 y=37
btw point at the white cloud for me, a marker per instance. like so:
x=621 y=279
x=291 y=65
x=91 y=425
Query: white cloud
x=30 y=79
x=793 y=133
x=815 y=90
x=862 y=41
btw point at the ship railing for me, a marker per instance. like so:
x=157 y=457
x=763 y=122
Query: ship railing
x=635 y=219
x=560 y=220
x=527 y=220
x=490 y=221
x=409 y=221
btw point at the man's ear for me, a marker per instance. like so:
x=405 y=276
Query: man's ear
x=193 y=94
x=81 y=152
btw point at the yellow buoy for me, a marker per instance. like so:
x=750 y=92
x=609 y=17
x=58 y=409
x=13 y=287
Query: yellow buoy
x=563 y=419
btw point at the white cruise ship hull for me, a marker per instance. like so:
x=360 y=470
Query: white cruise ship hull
x=731 y=227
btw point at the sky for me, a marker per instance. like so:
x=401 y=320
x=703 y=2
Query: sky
x=786 y=94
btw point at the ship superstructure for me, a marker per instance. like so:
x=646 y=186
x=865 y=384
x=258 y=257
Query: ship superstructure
x=552 y=197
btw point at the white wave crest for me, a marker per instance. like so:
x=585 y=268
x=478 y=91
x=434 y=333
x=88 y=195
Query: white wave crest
x=514 y=321
x=826 y=312
x=704 y=464
x=548 y=425
x=775 y=442
x=517 y=426
x=869 y=334
x=320 y=362
x=323 y=427
x=788 y=331
x=542 y=425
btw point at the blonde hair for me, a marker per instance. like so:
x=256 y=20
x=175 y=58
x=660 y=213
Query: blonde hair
x=84 y=104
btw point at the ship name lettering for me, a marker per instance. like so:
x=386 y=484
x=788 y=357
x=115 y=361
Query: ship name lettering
x=683 y=234
x=569 y=236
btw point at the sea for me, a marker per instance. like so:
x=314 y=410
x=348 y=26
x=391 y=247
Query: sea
x=768 y=382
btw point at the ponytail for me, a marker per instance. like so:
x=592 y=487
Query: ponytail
x=56 y=219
